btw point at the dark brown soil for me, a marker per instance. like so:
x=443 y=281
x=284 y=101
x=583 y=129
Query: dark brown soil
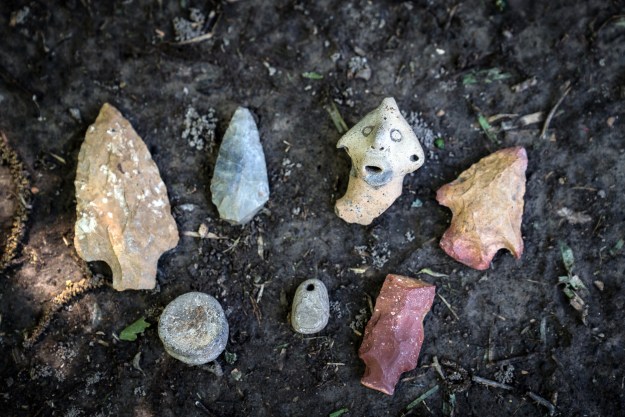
x=434 y=57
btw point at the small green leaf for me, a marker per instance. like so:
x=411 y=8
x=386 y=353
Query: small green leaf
x=485 y=76
x=230 y=357
x=567 y=257
x=338 y=413
x=617 y=247
x=576 y=283
x=336 y=117
x=439 y=143
x=486 y=127
x=449 y=405
x=422 y=397
x=312 y=75
x=432 y=273
x=469 y=79
x=568 y=292
x=130 y=333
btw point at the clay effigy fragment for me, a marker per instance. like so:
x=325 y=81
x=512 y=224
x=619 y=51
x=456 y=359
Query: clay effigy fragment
x=194 y=328
x=383 y=149
x=311 y=307
x=240 y=187
x=486 y=202
x=122 y=208
x=394 y=334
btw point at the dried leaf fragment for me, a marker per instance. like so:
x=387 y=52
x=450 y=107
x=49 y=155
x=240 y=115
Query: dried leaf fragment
x=486 y=202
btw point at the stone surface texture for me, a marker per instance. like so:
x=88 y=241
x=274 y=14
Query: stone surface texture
x=394 y=334
x=123 y=212
x=240 y=186
x=194 y=328
x=383 y=149
x=311 y=307
x=486 y=202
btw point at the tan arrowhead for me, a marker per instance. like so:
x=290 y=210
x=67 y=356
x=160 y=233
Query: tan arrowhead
x=486 y=202
x=122 y=208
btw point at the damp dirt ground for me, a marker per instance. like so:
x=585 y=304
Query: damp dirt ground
x=446 y=63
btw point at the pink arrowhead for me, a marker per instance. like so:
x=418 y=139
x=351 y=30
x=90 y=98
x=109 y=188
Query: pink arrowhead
x=394 y=334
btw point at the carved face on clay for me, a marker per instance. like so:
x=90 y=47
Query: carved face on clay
x=383 y=149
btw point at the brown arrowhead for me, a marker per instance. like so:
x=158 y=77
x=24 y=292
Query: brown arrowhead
x=122 y=207
x=486 y=203
x=394 y=334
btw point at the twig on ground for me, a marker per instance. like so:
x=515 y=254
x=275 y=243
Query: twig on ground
x=448 y=306
x=256 y=310
x=490 y=383
x=567 y=89
x=197 y=39
x=420 y=399
x=540 y=400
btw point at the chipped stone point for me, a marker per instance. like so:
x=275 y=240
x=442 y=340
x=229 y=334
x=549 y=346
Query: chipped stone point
x=383 y=149
x=240 y=187
x=122 y=208
x=311 y=307
x=193 y=328
x=486 y=202
x=394 y=334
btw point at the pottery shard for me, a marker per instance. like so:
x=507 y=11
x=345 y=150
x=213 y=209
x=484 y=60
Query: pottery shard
x=311 y=307
x=123 y=212
x=486 y=202
x=240 y=186
x=383 y=149
x=394 y=334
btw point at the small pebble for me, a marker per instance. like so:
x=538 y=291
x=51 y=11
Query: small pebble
x=193 y=328
x=599 y=285
x=75 y=113
x=311 y=307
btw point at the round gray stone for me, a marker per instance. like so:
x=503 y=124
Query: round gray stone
x=193 y=328
x=311 y=307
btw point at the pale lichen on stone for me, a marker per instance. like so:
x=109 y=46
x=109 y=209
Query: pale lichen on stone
x=123 y=212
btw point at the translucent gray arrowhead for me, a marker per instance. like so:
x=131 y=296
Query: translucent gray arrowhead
x=240 y=187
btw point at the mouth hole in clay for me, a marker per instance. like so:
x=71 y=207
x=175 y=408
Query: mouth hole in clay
x=370 y=169
x=310 y=287
x=414 y=158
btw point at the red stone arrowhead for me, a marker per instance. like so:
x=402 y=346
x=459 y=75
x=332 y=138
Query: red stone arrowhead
x=486 y=202
x=394 y=334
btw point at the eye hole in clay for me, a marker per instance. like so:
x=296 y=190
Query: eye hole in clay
x=414 y=158
x=310 y=287
x=395 y=135
x=366 y=131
